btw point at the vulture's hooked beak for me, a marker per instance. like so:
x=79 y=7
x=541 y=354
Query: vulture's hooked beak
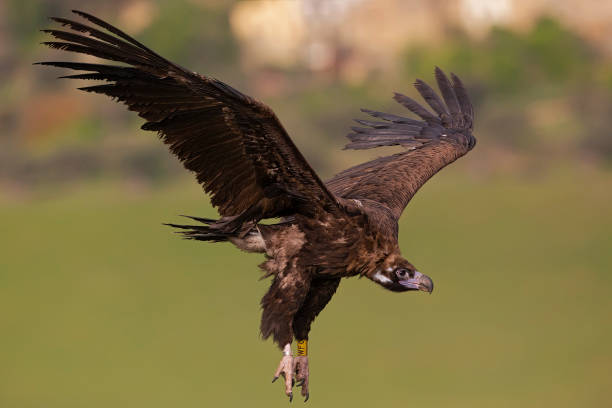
x=418 y=282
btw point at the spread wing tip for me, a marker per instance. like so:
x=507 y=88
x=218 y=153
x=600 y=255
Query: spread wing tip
x=453 y=111
x=456 y=99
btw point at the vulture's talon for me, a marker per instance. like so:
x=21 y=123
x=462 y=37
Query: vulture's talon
x=285 y=368
x=307 y=396
x=300 y=368
x=291 y=397
x=274 y=379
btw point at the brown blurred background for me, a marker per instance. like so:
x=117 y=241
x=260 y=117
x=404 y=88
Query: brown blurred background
x=539 y=72
x=102 y=306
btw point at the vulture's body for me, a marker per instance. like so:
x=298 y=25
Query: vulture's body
x=245 y=160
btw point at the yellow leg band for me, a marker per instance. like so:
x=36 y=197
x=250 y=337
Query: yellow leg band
x=302 y=348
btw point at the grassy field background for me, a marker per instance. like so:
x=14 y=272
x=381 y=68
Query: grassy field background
x=101 y=306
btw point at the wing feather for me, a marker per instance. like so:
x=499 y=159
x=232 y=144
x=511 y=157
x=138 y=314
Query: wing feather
x=236 y=146
x=414 y=107
x=431 y=98
x=432 y=144
x=446 y=89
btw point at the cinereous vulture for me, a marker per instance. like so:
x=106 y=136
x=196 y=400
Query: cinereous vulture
x=244 y=159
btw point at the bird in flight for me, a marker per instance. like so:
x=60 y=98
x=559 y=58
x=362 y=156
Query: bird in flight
x=244 y=159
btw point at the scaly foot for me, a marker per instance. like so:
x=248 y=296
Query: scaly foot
x=300 y=369
x=285 y=368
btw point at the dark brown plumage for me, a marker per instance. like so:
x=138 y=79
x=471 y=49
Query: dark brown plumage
x=244 y=158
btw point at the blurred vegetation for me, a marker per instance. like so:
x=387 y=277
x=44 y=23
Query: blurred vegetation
x=542 y=96
x=200 y=35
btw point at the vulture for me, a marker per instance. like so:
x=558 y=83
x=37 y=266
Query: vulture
x=245 y=160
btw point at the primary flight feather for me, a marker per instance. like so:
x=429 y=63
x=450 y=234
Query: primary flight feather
x=244 y=158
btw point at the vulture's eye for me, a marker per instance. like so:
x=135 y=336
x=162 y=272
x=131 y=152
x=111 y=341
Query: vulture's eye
x=401 y=273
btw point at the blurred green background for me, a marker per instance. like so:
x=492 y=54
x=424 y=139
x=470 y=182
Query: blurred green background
x=101 y=305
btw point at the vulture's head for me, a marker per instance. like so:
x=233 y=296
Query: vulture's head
x=399 y=275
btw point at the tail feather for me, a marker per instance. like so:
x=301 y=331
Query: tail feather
x=207 y=221
x=206 y=232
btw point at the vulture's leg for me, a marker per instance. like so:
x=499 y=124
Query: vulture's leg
x=321 y=292
x=280 y=304
x=285 y=368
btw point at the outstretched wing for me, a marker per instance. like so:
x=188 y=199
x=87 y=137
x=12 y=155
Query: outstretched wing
x=235 y=145
x=432 y=142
